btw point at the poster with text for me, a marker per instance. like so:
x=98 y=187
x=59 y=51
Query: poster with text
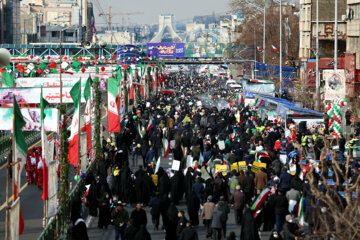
x=166 y=50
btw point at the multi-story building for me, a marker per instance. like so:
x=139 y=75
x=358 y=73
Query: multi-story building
x=348 y=41
x=42 y=20
x=10 y=21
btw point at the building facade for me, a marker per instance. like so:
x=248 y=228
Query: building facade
x=348 y=42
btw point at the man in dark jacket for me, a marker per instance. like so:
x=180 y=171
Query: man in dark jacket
x=290 y=228
x=281 y=209
x=285 y=181
x=189 y=233
x=224 y=206
x=248 y=186
x=218 y=217
x=198 y=189
x=155 y=210
x=139 y=216
x=238 y=198
x=120 y=217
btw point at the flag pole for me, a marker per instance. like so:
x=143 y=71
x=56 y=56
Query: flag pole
x=79 y=133
x=8 y=174
x=42 y=158
x=90 y=115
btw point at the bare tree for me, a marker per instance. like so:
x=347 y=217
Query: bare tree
x=252 y=36
x=337 y=217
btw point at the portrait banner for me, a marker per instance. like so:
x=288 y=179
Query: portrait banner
x=32 y=119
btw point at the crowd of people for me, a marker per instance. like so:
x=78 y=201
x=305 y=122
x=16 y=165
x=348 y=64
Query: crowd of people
x=128 y=175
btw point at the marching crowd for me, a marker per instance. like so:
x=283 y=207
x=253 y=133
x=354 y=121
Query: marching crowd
x=268 y=198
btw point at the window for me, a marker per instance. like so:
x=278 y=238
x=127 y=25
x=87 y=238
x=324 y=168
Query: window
x=54 y=34
x=69 y=34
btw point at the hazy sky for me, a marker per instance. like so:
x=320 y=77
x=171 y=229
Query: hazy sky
x=182 y=9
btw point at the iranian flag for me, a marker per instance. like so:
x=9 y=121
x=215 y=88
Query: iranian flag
x=113 y=118
x=74 y=136
x=260 y=199
x=226 y=162
x=210 y=165
x=140 y=130
x=233 y=135
x=45 y=148
x=87 y=114
x=157 y=164
x=275 y=49
x=93 y=29
x=21 y=151
x=150 y=124
x=260 y=50
x=261 y=154
x=255 y=214
x=201 y=160
x=259 y=102
x=166 y=148
x=301 y=212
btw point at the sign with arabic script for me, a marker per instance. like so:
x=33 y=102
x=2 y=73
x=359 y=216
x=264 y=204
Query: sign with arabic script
x=166 y=50
x=32 y=95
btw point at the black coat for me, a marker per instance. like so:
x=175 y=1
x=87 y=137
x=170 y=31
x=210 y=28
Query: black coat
x=189 y=233
x=248 y=229
x=281 y=204
x=142 y=234
x=79 y=231
x=130 y=232
x=155 y=206
x=177 y=189
x=139 y=218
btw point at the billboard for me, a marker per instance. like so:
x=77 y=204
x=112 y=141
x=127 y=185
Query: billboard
x=32 y=119
x=32 y=95
x=334 y=84
x=208 y=50
x=166 y=50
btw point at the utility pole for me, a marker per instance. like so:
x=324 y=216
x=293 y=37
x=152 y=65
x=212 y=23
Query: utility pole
x=317 y=103
x=264 y=34
x=280 y=89
x=336 y=36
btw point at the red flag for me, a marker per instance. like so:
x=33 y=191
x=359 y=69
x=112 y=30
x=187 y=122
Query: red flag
x=21 y=222
x=131 y=97
x=44 y=195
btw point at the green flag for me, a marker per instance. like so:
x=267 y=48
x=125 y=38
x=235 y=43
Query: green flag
x=87 y=88
x=43 y=104
x=74 y=92
x=7 y=80
x=21 y=147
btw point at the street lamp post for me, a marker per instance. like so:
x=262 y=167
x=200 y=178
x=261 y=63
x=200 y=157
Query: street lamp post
x=317 y=103
x=280 y=89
